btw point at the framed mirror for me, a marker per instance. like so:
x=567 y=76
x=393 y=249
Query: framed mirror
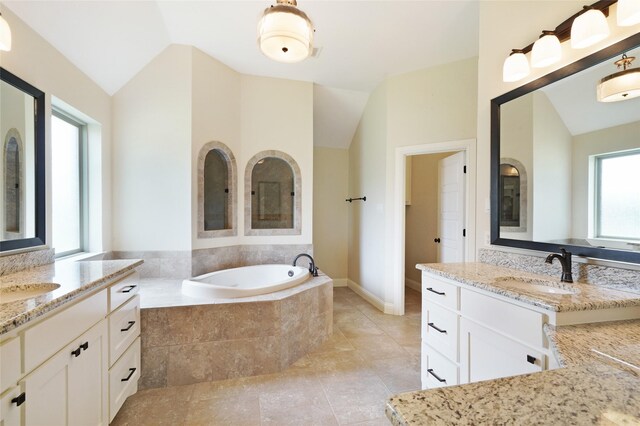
x=22 y=185
x=581 y=156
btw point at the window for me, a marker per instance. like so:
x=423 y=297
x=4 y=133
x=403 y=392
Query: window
x=68 y=182
x=617 y=195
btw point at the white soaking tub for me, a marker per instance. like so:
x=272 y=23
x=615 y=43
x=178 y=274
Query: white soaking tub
x=245 y=281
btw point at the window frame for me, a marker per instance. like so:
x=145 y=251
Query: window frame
x=596 y=191
x=83 y=161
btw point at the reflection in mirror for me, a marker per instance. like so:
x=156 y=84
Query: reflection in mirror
x=582 y=159
x=22 y=179
x=216 y=191
x=509 y=195
x=272 y=194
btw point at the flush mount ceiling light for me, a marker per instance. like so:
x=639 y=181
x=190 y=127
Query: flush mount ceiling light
x=285 y=33
x=546 y=50
x=621 y=85
x=589 y=28
x=628 y=12
x=5 y=34
x=515 y=67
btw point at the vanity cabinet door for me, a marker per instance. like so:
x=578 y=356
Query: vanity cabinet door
x=486 y=354
x=71 y=387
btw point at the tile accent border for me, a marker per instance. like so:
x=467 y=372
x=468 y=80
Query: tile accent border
x=604 y=276
x=297 y=188
x=201 y=343
x=11 y=263
x=232 y=177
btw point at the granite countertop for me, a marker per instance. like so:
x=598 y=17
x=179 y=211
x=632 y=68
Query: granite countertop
x=597 y=383
x=488 y=277
x=75 y=279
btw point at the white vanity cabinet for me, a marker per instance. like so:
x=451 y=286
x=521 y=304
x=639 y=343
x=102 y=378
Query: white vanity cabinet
x=469 y=335
x=75 y=366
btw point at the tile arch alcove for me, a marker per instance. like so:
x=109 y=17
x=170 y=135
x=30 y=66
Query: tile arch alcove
x=296 y=229
x=230 y=228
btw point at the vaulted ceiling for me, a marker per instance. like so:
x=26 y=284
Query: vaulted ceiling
x=361 y=42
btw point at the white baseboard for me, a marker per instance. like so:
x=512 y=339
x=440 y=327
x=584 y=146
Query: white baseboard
x=340 y=282
x=414 y=285
x=387 y=308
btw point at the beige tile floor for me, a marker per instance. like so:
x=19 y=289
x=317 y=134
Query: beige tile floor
x=345 y=382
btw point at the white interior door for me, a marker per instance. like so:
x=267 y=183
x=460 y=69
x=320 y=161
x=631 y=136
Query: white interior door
x=451 y=208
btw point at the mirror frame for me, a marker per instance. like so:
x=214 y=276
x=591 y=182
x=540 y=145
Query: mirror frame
x=39 y=155
x=566 y=71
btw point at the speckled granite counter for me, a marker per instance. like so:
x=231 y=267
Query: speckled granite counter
x=488 y=277
x=75 y=279
x=598 y=384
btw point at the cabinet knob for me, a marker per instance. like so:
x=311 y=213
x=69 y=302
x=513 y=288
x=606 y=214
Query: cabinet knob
x=84 y=346
x=439 y=293
x=436 y=240
x=432 y=325
x=19 y=400
x=128 y=288
x=76 y=352
x=128 y=327
x=531 y=359
x=430 y=371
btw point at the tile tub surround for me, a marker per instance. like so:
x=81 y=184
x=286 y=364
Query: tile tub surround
x=11 y=263
x=345 y=381
x=75 y=279
x=204 y=340
x=483 y=275
x=605 y=276
x=186 y=263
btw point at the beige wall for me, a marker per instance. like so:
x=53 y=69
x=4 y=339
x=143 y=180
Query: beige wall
x=34 y=60
x=551 y=180
x=421 y=223
x=428 y=106
x=505 y=25
x=330 y=211
x=613 y=139
x=152 y=156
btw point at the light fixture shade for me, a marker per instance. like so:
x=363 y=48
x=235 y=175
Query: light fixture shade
x=5 y=35
x=620 y=86
x=588 y=29
x=516 y=67
x=628 y=12
x=546 y=51
x=285 y=33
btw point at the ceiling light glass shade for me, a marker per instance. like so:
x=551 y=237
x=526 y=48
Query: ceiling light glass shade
x=546 y=51
x=516 y=67
x=628 y=12
x=620 y=86
x=285 y=33
x=588 y=29
x=5 y=35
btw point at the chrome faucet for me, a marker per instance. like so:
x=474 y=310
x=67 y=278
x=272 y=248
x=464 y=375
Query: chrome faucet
x=565 y=261
x=312 y=265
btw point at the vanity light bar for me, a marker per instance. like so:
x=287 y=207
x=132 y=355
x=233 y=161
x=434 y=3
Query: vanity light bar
x=584 y=28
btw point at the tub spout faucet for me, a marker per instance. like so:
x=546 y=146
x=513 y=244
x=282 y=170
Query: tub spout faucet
x=313 y=270
x=565 y=261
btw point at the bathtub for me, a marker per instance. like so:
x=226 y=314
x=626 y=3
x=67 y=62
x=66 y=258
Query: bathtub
x=245 y=281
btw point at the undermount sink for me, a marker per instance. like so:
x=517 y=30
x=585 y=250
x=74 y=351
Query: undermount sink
x=536 y=285
x=26 y=291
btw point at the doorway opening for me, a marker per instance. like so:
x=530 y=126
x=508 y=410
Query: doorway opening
x=444 y=174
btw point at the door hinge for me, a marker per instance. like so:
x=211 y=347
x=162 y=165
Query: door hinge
x=464 y=169
x=464 y=232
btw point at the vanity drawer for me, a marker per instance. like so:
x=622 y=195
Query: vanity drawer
x=46 y=338
x=440 y=330
x=122 y=291
x=436 y=370
x=437 y=290
x=512 y=320
x=10 y=370
x=124 y=327
x=123 y=378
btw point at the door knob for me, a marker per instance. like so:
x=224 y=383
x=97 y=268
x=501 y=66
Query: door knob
x=436 y=240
